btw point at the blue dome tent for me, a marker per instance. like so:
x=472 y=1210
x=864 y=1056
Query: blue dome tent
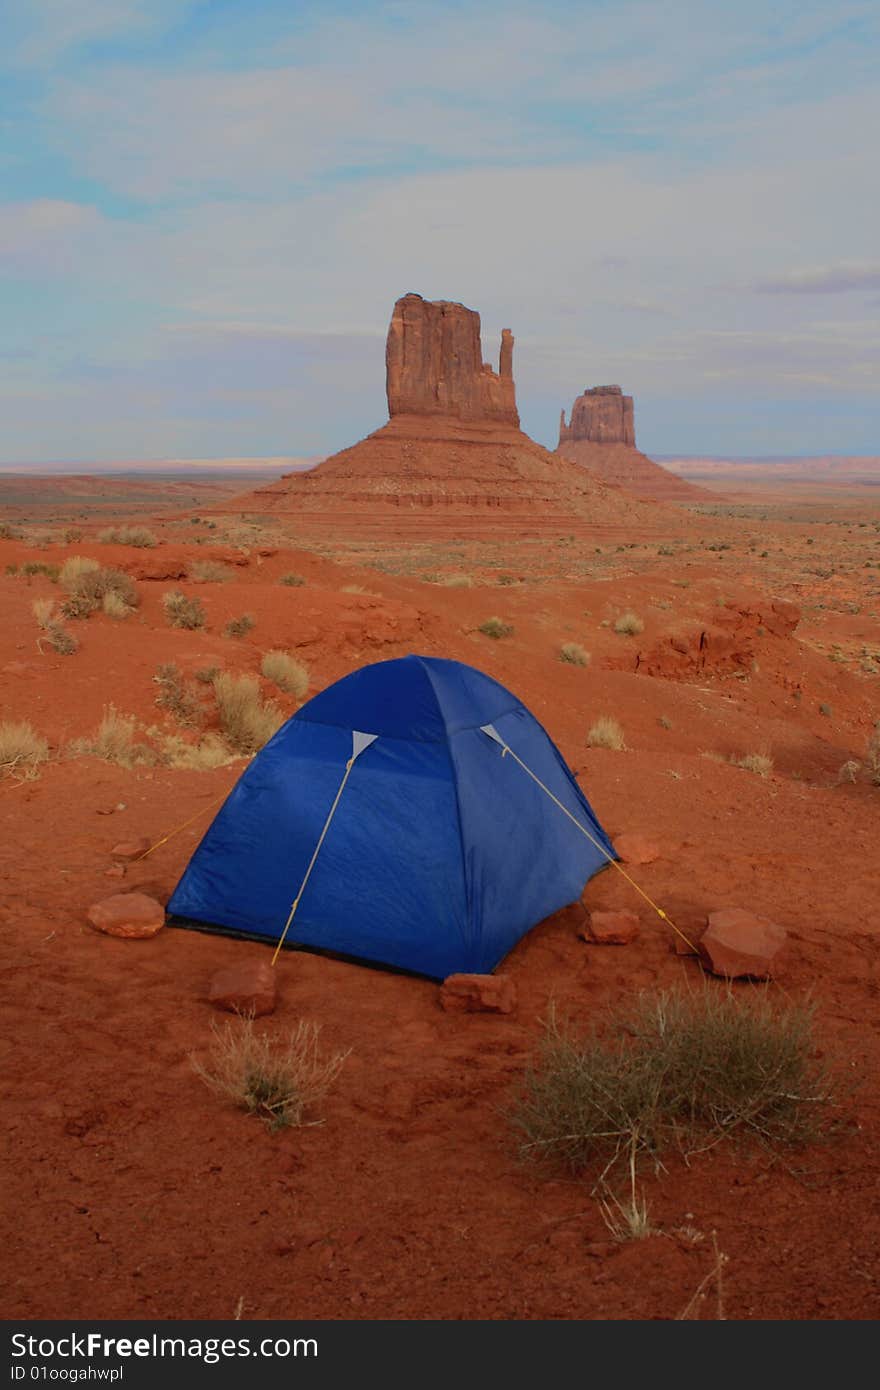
x=404 y=816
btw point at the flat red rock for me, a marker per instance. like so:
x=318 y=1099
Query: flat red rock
x=131 y=915
x=611 y=928
x=636 y=849
x=469 y=994
x=248 y=988
x=131 y=849
x=740 y=944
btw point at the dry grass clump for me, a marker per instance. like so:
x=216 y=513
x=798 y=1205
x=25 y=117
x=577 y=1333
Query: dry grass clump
x=630 y=624
x=293 y=581
x=606 y=733
x=88 y=586
x=759 y=763
x=21 y=749
x=55 y=633
x=574 y=654
x=113 y=741
x=175 y=695
x=33 y=567
x=677 y=1069
x=455 y=581
x=239 y=627
x=286 y=672
x=74 y=568
x=279 y=1079
x=496 y=627
x=246 y=720
x=210 y=572
x=204 y=756
x=8 y=532
x=207 y=674
x=182 y=611
x=138 y=536
x=114 y=605
x=43 y=610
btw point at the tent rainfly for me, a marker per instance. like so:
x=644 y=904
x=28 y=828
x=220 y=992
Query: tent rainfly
x=404 y=816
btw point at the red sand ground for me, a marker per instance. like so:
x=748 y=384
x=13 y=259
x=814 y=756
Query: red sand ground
x=134 y=1192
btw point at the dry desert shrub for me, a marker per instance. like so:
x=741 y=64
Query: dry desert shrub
x=606 y=733
x=43 y=610
x=182 y=611
x=286 y=672
x=204 y=756
x=246 y=720
x=678 y=1069
x=8 y=532
x=210 y=572
x=872 y=756
x=114 y=605
x=455 y=581
x=33 y=567
x=574 y=654
x=73 y=569
x=759 y=763
x=495 y=628
x=239 y=627
x=629 y=624
x=88 y=586
x=113 y=741
x=279 y=1079
x=293 y=581
x=21 y=749
x=175 y=695
x=138 y=536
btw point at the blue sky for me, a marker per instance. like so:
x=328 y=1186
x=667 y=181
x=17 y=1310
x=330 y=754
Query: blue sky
x=208 y=209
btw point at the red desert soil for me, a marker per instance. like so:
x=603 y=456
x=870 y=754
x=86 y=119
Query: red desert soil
x=132 y=1191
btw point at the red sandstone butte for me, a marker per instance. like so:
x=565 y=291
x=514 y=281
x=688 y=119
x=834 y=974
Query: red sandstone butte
x=452 y=458
x=470 y=994
x=601 y=436
x=434 y=364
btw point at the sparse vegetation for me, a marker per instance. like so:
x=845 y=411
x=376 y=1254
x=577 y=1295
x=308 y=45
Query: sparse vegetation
x=182 y=611
x=210 y=572
x=278 y=1079
x=629 y=624
x=574 y=654
x=677 y=1069
x=246 y=720
x=33 y=567
x=759 y=763
x=138 y=536
x=204 y=756
x=872 y=755
x=179 y=699
x=293 y=581
x=455 y=581
x=286 y=672
x=239 y=627
x=8 y=532
x=55 y=633
x=606 y=733
x=21 y=749
x=113 y=741
x=496 y=627
x=208 y=674
x=88 y=587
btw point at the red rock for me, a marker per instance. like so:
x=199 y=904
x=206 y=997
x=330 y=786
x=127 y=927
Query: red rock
x=434 y=364
x=601 y=436
x=603 y=415
x=131 y=849
x=468 y=994
x=636 y=849
x=611 y=928
x=115 y=871
x=130 y=915
x=248 y=988
x=738 y=943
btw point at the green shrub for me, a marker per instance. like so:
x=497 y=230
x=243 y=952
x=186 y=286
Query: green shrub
x=676 y=1069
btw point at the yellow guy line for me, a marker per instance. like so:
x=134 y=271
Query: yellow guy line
x=171 y=833
x=505 y=750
